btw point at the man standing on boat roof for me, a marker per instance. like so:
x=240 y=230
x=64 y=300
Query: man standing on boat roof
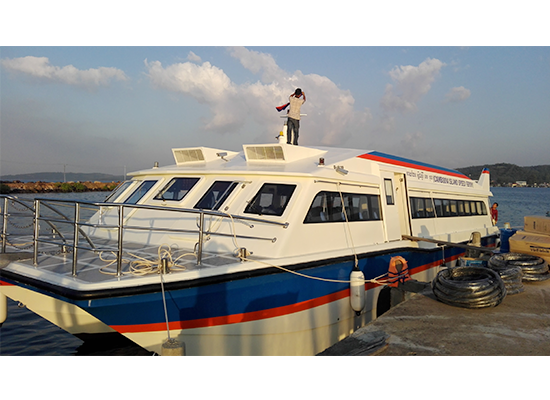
x=293 y=125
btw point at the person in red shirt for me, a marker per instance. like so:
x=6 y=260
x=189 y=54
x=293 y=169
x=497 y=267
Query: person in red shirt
x=494 y=213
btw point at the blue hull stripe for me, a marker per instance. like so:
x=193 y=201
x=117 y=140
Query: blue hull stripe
x=272 y=294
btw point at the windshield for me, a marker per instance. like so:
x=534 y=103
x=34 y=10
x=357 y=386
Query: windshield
x=176 y=189
x=118 y=191
x=140 y=192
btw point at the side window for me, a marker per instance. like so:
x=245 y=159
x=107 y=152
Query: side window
x=327 y=207
x=272 y=199
x=422 y=207
x=478 y=207
x=467 y=208
x=430 y=213
x=439 y=207
x=460 y=204
x=176 y=189
x=446 y=208
x=374 y=202
x=317 y=210
x=417 y=207
x=483 y=208
x=388 y=186
x=140 y=192
x=216 y=195
x=454 y=209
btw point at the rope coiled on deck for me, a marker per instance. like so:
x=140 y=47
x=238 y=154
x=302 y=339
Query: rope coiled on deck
x=469 y=287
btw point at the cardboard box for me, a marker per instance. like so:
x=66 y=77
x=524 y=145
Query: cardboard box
x=537 y=224
x=534 y=244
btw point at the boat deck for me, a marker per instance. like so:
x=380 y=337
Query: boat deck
x=138 y=261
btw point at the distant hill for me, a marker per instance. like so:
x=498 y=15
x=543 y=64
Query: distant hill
x=58 y=177
x=503 y=173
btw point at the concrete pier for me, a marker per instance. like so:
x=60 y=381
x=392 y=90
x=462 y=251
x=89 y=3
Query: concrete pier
x=423 y=326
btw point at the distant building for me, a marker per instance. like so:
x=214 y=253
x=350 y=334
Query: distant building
x=521 y=183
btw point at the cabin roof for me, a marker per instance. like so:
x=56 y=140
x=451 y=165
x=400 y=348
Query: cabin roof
x=285 y=159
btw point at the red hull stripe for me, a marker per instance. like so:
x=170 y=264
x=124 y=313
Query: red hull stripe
x=259 y=315
x=235 y=318
x=401 y=163
x=4 y=283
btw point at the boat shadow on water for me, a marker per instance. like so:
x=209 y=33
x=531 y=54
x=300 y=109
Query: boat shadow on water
x=27 y=334
x=109 y=344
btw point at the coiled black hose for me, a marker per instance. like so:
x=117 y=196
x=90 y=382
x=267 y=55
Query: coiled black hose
x=469 y=287
x=533 y=268
x=512 y=278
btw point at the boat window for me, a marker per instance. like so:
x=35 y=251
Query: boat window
x=453 y=208
x=430 y=212
x=460 y=204
x=446 y=208
x=438 y=207
x=176 y=189
x=118 y=191
x=483 y=208
x=140 y=192
x=388 y=186
x=478 y=207
x=423 y=207
x=272 y=199
x=327 y=207
x=216 y=195
x=467 y=208
x=417 y=207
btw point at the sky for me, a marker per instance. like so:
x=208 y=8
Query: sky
x=88 y=105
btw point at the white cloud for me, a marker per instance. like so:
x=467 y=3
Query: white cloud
x=206 y=83
x=256 y=62
x=40 y=68
x=330 y=109
x=457 y=94
x=193 y=57
x=410 y=84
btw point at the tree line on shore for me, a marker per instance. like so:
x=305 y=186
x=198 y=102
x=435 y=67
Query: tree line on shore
x=504 y=174
x=55 y=187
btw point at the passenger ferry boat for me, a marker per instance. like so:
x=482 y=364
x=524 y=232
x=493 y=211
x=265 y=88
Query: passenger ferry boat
x=274 y=250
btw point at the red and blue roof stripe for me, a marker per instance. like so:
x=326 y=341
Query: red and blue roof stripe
x=405 y=162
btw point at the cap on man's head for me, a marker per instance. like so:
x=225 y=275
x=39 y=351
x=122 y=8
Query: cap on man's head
x=298 y=92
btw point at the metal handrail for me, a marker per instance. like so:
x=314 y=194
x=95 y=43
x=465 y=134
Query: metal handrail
x=6 y=215
x=120 y=226
x=66 y=218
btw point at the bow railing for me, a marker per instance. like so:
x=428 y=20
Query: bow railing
x=76 y=224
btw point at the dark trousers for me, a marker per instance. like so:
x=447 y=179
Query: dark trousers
x=293 y=125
